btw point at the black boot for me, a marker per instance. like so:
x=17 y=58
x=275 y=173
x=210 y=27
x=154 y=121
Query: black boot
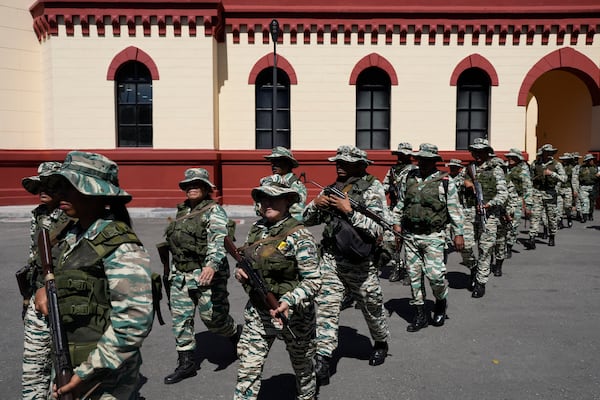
x=472 y=278
x=560 y=224
x=186 y=367
x=439 y=312
x=569 y=221
x=380 y=352
x=421 y=321
x=591 y=216
x=545 y=234
x=396 y=274
x=508 y=251
x=529 y=243
x=583 y=218
x=551 y=240
x=479 y=290
x=498 y=268
x=322 y=369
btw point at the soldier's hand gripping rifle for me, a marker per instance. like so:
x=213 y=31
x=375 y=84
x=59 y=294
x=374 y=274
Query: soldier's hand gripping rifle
x=480 y=207
x=258 y=284
x=60 y=345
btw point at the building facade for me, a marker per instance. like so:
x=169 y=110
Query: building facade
x=160 y=86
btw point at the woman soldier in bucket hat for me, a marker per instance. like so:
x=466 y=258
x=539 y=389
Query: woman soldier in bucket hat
x=199 y=270
x=37 y=362
x=103 y=279
x=284 y=253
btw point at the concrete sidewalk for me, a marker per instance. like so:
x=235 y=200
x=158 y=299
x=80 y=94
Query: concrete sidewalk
x=233 y=211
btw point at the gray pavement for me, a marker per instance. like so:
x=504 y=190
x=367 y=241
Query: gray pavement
x=535 y=334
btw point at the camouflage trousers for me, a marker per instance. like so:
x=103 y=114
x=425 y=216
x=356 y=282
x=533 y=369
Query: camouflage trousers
x=587 y=200
x=468 y=253
x=256 y=340
x=513 y=226
x=501 y=239
x=544 y=210
x=564 y=203
x=121 y=384
x=360 y=280
x=37 y=357
x=425 y=256
x=211 y=301
x=487 y=243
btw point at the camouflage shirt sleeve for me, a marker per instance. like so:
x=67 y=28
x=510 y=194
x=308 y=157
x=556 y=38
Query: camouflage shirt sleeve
x=527 y=185
x=312 y=215
x=387 y=181
x=297 y=208
x=215 y=239
x=575 y=178
x=128 y=273
x=301 y=245
x=452 y=201
x=397 y=212
x=560 y=173
x=501 y=192
x=374 y=200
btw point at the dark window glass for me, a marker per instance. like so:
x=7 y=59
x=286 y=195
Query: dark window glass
x=265 y=137
x=472 y=107
x=134 y=105
x=373 y=92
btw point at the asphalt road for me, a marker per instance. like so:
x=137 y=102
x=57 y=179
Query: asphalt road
x=535 y=334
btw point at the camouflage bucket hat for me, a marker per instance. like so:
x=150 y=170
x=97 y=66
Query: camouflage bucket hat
x=588 y=157
x=195 y=174
x=273 y=187
x=516 y=153
x=566 y=156
x=576 y=155
x=454 y=162
x=92 y=174
x=282 y=152
x=548 y=148
x=33 y=183
x=480 y=144
x=404 y=148
x=351 y=154
x=428 y=150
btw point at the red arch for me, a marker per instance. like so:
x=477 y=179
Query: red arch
x=131 y=54
x=266 y=62
x=474 y=61
x=373 y=60
x=566 y=59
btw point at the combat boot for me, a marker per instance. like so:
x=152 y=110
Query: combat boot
x=583 y=218
x=545 y=234
x=569 y=221
x=529 y=243
x=380 y=352
x=479 y=290
x=498 y=268
x=439 y=312
x=396 y=274
x=347 y=301
x=591 y=216
x=508 y=251
x=186 y=367
x=551 y=241
x=322 y=369
x=472 y=279
x=421 y=321
x=560 y=224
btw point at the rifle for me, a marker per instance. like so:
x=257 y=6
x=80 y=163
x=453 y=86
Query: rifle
x=24 y=280
x=257 y=283
x=163 y=253
x=479 y=209
x=62 y=358
x=356 y=206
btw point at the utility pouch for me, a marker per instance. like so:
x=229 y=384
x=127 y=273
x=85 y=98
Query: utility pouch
x=24 y=280
x=350 y=243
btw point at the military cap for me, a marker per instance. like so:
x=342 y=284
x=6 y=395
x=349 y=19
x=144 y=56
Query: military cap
x=33 y=183
x=195 y=174
x=427 y=150
x=351 y=154
x=282 y=152
x=403 y=148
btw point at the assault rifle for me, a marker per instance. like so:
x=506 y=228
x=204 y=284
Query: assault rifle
x=163 y=254
x=62 y=358
x=333 y=191
x=257 y=283
x=479 y=209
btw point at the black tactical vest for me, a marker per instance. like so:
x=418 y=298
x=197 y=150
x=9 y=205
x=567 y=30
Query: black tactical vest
x=424 y=212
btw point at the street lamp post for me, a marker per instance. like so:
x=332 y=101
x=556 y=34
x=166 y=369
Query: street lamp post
x=274 y=35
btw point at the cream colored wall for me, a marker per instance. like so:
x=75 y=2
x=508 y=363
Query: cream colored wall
x=20 y=78
x=80 y=104
x=423 y=103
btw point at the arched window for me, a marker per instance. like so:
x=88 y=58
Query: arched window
x=472 y=107
x=373 y=88
x=266 y=137
x=133 y=87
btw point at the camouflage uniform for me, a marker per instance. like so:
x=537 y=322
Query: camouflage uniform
x=358 y=276
x=468 y=253
x=546 y=185
x=565 y=192
x=195 y=241
x=104 y=285
x=585 y=184
x=518 y=177
x=292 y=249
x=425 y=207
x=504 y=216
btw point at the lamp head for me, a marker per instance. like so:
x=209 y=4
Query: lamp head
x=274 y=26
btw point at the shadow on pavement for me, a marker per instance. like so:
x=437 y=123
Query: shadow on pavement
x=458 y=280
x=399 y=307
x=215 y=349
x=278 y=387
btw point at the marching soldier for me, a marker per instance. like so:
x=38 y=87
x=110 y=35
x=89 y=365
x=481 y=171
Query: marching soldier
x=565 y=192
x=545 y=177
x=585 y=185
x=521 y=200
x=426 y=205
x=285 y=254
x=347 y=256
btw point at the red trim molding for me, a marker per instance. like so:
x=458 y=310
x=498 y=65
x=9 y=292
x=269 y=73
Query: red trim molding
x=373 y=60
x=267 y=62
x=569 y=60
x=131 y=53
x=474 y=61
